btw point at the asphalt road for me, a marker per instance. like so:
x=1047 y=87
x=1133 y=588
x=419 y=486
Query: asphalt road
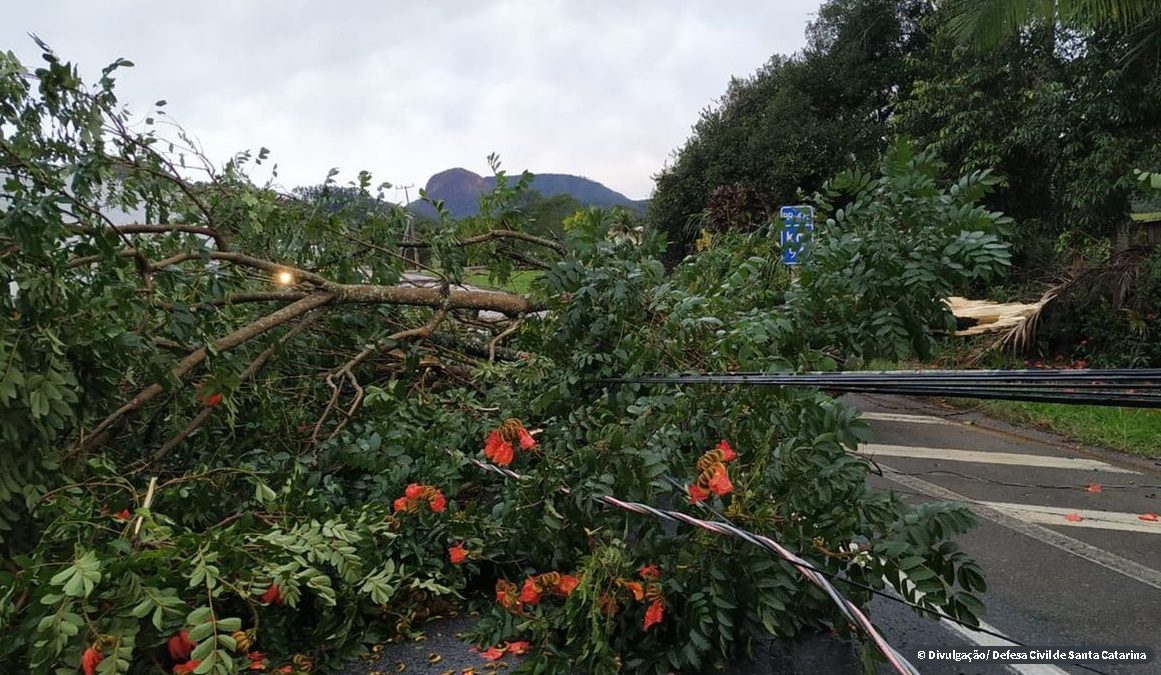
x=1067 y=566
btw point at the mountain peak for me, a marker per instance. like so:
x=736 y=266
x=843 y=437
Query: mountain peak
x=460 y=190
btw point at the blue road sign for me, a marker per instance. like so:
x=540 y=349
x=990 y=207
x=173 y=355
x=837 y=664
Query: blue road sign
x=797 y=224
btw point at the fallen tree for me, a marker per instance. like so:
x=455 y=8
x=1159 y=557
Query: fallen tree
x=232 y=433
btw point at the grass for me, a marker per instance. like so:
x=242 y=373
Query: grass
x=1131 y=430
x=520 y=282
x=1128 y=429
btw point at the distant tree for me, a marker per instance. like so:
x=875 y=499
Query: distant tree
x=1056 y=116
x=797 y=120
x=353 y=202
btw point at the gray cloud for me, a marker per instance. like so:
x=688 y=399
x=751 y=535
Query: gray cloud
x=600 y=88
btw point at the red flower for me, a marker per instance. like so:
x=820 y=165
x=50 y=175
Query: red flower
x=517 y=647
x=414 y=491
x=257 y=660
x=272 y=596
x=180 y=646
x=122 y=516
x=213 y=400
x=696 y=494
x=285 y=669
x=457 y=554
x=498 y=450
x=649 y=572
x=719 y=483
x=727 y=452
x=567 y=584
x=187 y=667
x=438 y=502
x=530 y=593
x=653 y=614
x=401 y=504
x=90 y=659
x=526 y=439
x=492 y=653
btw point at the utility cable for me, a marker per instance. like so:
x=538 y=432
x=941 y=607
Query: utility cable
x=849 y=609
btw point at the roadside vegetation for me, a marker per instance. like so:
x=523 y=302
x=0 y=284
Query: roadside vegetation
x=1129 y=429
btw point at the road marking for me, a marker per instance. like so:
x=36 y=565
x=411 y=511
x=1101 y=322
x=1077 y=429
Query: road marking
x=977 y=637
x=899 y=417
x=983 y=457
x=1134 y=570
x=1054 y=515
x=986 y=640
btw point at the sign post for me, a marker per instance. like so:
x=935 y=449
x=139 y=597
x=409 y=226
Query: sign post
x=797 y=224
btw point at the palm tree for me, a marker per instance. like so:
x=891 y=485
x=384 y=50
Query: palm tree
x=986 y=23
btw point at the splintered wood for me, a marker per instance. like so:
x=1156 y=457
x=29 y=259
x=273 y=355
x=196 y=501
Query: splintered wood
x=988 y=316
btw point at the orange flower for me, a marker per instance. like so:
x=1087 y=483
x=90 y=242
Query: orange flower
x=696 y=494
x=719 y=483
x=438 y=502
x=530 y=593
x=492 y=653
x=498 y=450
x=727 y=452
x=187 y=667
x=413 y=491
x=272 y=596
x=517 y=647
x=649 y=572
x=285 y=669
x=567 y=584
x=653 y=615
x=526 y=439
x=457 y=554
x=122 y=516
x=179 y=646
x=401 y=504
x=257 y=660
x=635 y=588
x=90 y=660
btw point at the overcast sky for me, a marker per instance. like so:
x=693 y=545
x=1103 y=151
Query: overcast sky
x=602 y=88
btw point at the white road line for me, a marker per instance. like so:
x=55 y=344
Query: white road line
x=1055 y=515
x=984 y=457
x=982 y=639
x=899 y=417
x=986 y=640
x=1121 y=565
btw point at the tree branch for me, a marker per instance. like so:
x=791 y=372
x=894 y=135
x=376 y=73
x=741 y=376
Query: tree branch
x=255 y=365
x=101 y=432
x=219 y=240
x=497 y=234
x=347 y=371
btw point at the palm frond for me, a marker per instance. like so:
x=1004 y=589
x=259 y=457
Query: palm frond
x=986 y=23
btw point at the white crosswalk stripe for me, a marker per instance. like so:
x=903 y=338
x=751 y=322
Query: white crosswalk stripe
x=900 y=417
x=1054 y=515
x=987 y=457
